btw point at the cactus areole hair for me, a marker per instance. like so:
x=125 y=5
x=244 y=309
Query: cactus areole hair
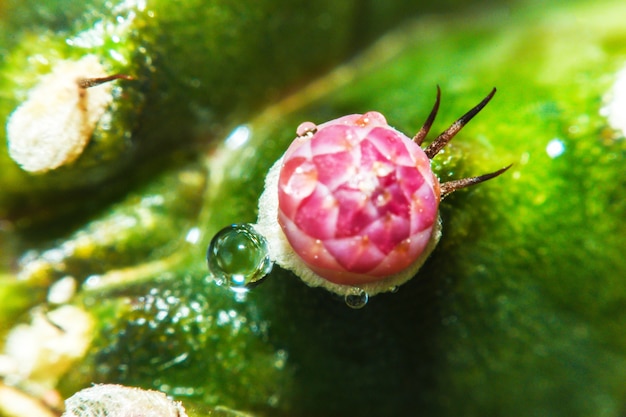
x=354 y=202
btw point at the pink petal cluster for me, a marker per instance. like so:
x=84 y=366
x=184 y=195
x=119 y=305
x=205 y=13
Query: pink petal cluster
x=357 y=199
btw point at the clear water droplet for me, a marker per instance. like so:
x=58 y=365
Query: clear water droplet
x=356 y=298
x=238 y=257
x=306 y=129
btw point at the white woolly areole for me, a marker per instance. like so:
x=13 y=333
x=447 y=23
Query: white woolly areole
x=120 y=401
x=281 y=252
x=42 y=351
x=615 y=109
x=53 y=126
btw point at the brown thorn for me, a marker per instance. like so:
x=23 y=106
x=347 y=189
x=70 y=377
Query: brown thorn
x=447 y=135
x=451 y=186
x=92 y=82
x=419 y=136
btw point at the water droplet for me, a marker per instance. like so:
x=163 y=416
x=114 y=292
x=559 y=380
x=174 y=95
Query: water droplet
x=306 y=129
x=238 y=257
x=356 y=298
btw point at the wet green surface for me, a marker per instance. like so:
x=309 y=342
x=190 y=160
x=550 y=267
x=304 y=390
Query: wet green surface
x=517 y=312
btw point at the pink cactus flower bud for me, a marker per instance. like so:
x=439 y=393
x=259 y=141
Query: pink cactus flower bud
x=357 y=200
x=354 y=202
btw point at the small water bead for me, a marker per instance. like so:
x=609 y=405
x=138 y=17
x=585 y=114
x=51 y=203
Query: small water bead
x=306 y=129
x=356 y=298
x=238 y=257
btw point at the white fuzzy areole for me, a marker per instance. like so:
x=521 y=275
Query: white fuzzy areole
x=615 y=108
x=120 y=401
x=42 y=351
x=281 y=252
x=53 y=126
